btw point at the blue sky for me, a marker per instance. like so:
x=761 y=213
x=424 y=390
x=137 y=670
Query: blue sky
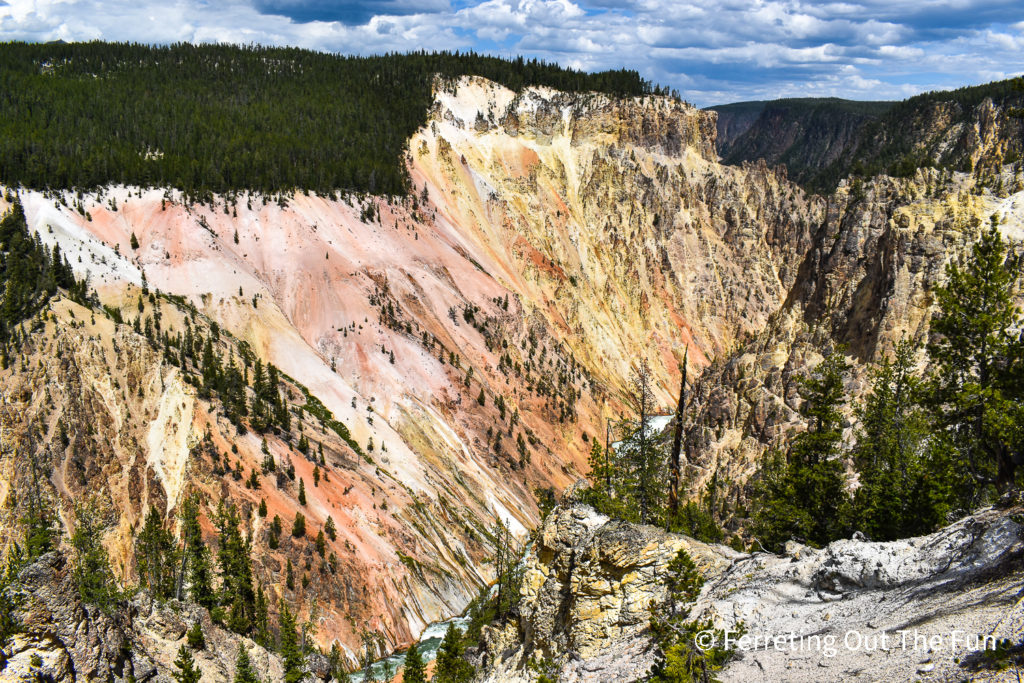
x=712 y=52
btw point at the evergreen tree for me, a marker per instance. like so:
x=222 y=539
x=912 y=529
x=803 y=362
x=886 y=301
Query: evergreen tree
x=244 y=671
x=641 y=455
x=196 y=556
x=904 y=480
x=236 y=594
x=414 y=670
x=91 y=567
x=40 y=528
x=976 y=396
x=302 y=492
x=289 y=646
x=802 y=495
x=9 y=624
x=337 y=663
x=187 y=672
x=451 y=667
x=681 y=656
x=261 y=622
x=156 y=556
x=195 y=638
x=299 y=525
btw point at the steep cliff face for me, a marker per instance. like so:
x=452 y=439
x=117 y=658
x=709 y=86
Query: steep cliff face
x=467 y=339
x=589 y=583
x=866 y=283
x=806 y=135
x=823 y=141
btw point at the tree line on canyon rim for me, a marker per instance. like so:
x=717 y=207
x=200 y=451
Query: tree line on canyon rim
x=220 y=118
x=928 y=446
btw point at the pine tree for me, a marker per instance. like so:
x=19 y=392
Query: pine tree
x=156 y=556
x=187 y=672
x=642 y=457
x=414 y=670
x=904 y=480
x=261 y=622
x=40 y=530
x=803 y=494
x=976 y=395
x=337 y=663
x=302 y=492
x=289 y=646
x=195 y=638
x=451 y=667
x=299 y=525
x=91 y=567
x=196 y=556
x=237 y=594
x=244 y=671
x=134 y=243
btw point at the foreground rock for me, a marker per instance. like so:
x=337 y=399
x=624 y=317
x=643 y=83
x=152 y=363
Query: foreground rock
x=65 y=640
x=921 y=607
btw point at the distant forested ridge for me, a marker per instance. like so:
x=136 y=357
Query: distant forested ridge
x=220 y=118
x=822 y=141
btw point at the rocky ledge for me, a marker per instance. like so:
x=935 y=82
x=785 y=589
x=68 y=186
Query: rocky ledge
x=923 y=607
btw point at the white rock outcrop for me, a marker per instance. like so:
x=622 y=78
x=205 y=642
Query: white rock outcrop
x=921 y=607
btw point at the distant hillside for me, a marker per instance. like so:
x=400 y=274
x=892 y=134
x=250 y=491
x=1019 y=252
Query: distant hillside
x=824 y=141
x=221 y=118
x=805 y=134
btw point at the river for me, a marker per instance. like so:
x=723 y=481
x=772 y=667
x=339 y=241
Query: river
x=430 y=641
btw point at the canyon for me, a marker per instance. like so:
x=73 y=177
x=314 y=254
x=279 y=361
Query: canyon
x=449 y=352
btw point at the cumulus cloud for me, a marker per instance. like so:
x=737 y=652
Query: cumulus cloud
x=711 y=51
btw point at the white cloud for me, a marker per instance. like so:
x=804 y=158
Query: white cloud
x=712 y=51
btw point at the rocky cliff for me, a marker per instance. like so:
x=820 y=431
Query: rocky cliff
x=590 y=582
x=821 y=142
x=806 y=135
x=446 y=353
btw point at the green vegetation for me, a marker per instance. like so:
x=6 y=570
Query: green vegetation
x=9 y=624
x=802 y=495
x=196 y=556
x=244 y=671
x=976 y=391
x=237 y=594
x=679 y=659
x=156 y=556
x=414 y=670
x=186 y=667
x=30 y=274
x=902 y=473
x=926 y=447
x=195 y=638
x=289 y=646
x=91 y=565
x=451 y=667
x=220 y=118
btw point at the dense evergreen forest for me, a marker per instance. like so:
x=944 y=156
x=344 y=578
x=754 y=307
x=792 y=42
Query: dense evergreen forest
x=220 y=118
